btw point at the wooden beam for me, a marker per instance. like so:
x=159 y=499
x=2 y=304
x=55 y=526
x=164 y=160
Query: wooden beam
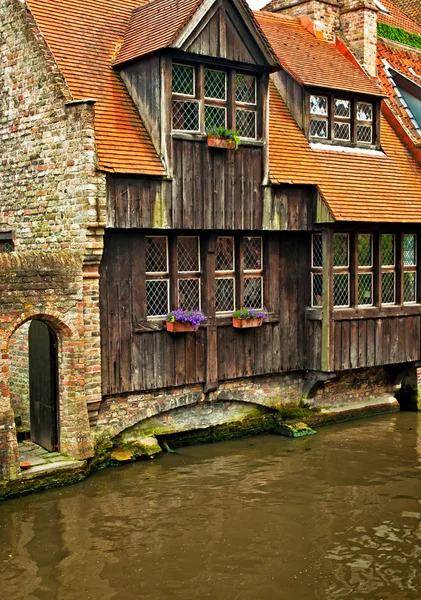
x=208 y=267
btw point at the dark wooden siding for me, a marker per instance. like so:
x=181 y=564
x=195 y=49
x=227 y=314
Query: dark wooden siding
x=151 y=360
x=375 y=342
x=292 y=208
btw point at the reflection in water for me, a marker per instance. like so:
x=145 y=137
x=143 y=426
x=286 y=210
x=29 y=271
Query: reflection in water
x=329 y=517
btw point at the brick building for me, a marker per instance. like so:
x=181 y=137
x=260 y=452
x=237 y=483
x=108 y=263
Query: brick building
x=114 y=210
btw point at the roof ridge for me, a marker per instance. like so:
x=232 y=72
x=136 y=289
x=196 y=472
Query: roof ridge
x=405 y=47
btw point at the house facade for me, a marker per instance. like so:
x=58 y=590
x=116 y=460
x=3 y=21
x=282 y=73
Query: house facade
x=115 y=210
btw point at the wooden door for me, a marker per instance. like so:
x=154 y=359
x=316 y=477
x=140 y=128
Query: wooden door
x=43 y=376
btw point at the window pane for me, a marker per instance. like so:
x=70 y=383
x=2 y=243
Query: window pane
x=317 y=258
x=185 y=116
x=342 y=131
x=188 y=254
x=246 y=123
x=388 y=249
x=409 y=287
x=189 y=294
x=409 y=250
x=156 y=255
x=364 y=134
x=365 y=253
x=215 y=116
x=317 y=299
x=364 y=111
x=341 y=289
x=7 y=246
x=318 y=128
x=342 y=108
x=253 y=292
x=318 y=105
x=224 y=295
x=183 y=80
x=365 y=289
x=157 y=297
x=245 y=88
x=388 y=288
x=340 y=249
x=252 y=254
x=225 y=254
x=215 y=84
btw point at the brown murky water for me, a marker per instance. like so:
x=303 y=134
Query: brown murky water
x=336 y=515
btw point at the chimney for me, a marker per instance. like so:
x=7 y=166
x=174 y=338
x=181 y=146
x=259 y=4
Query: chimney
x=359 y=27
x=324 y=14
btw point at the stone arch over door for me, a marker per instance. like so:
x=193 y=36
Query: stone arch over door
x=74 y=432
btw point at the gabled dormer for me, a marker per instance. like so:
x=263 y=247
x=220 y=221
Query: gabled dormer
x=192 y=66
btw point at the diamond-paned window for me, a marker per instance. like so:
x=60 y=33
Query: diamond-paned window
x=317 y=250
x=252 y=253
x=318 y=105
x=157 y=295
x=340 y=249
x=365 y=249
x=189 y=294
x=388 y=288
x=183 y=80
x=342 y=108
x=188 y=254
x=317 y=289
x=185 y=116
x=341 y=289
x=6 y=244
x=253 y=288
x=388 y=249
x=342 y=131
x=215 y=84
x=225 y=254
x=365 y=289
x=409 y=249
x=364 y=111
x=409 y=287
x=156 y=254
x=224 y=294
x=246 y=123
x=245 y=88
x=365 y=134
x=215 y=116
x=318 y=128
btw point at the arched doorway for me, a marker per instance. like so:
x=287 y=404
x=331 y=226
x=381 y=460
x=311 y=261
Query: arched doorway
x=43 y=385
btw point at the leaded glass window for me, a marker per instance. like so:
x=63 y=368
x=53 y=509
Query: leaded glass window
x=318 y=116
x=215 y=84
x=364 y=122
x=365 y=269
x=409 y=253
x=388 y=276
x=341 y=269
x=317 y=272
x=183 y=80
x=342 y=119
x=245 y=89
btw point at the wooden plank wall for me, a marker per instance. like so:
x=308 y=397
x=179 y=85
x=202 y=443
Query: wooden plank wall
x=153 y=360
x=375 y=342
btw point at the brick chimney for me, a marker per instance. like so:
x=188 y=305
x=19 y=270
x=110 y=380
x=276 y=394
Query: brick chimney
x=359 y=28
x=354 y=20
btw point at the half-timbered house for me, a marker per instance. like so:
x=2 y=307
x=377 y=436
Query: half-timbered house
x=316 y=216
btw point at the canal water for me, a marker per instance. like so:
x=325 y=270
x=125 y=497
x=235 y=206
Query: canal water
x=336 y=515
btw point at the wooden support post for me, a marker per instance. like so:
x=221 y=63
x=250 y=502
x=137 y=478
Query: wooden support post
x=327 y=326
x=209 y=259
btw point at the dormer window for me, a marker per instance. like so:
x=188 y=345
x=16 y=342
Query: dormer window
x=202 y=100
x=340 y=120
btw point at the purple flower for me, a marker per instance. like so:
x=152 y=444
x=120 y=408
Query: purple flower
x=194 y=317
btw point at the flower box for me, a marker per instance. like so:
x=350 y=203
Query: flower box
x=242 y=323
x=178 y=327
x=215 y=141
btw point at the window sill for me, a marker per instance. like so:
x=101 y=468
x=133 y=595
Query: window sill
x=200 y=137
x=371 y=312
x=154 y=325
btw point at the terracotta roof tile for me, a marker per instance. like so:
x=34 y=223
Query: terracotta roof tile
x=82 y=36
x=154 y=26
x=312 y=61
x=397 y=17
x=412 y=8
x=407 y=62
x=355 y=187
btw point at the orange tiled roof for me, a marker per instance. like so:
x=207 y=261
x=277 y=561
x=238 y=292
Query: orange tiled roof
x=154 y=26
x=397 y=17
x=412 y=8
x=82 y=34
x=401 y=59
x=355 y=186
x=310 y=60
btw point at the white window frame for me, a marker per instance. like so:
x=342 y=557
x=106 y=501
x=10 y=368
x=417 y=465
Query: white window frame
x=152 y=317
x=257 y=237
x=224 y=99
x=166 y=254
x=194 y=81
